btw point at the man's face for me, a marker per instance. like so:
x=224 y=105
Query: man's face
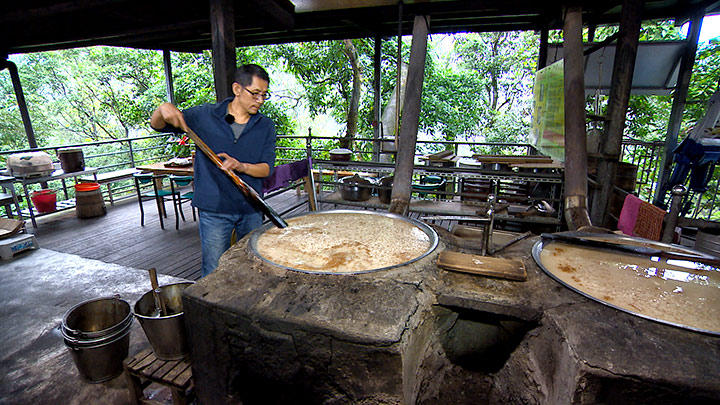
x=252 y=97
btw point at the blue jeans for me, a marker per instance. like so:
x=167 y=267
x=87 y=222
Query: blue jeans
x=215 y=230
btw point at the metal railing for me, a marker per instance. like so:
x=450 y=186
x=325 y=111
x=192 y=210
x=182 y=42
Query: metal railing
x=107 y=156
x=118 y=154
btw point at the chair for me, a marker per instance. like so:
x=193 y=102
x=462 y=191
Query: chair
x=158 y=194
x=640 y=218
x=179 y=197
x=8 y=197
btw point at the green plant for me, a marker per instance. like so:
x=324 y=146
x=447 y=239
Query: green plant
x=180 y=146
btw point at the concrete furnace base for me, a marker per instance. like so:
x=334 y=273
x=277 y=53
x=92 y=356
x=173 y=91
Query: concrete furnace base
x=419 y=334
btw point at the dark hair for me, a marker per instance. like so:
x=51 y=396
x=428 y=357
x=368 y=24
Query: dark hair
x=245 y=73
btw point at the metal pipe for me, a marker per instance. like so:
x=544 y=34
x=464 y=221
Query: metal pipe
x=20 y=96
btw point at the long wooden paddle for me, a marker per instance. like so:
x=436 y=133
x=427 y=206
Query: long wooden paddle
x=249 y=192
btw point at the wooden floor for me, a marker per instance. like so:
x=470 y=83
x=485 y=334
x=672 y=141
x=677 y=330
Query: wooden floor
x=118 y=237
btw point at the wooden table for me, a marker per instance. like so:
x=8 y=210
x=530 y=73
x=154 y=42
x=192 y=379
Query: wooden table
x=55 y=175
x=161 y=168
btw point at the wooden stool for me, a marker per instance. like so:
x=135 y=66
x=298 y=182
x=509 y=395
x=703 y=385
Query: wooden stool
x=144 y=368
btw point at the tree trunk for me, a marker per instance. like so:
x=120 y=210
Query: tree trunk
x=354 y=105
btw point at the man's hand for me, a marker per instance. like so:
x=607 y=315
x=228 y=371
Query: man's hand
x=230 y=163
x=258 y=170
x=165 y=114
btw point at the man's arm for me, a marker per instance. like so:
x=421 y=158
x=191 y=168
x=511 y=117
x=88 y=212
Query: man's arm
x=167 y=114
x=252 y=169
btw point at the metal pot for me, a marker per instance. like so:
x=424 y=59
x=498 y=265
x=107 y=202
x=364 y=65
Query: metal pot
x=496 y=167
x=385 y=193
x=356 y=188
x=341 y=155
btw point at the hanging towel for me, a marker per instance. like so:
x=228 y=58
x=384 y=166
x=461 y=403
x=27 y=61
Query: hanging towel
x=640 y=218
x=282 y=175
x=629 y=214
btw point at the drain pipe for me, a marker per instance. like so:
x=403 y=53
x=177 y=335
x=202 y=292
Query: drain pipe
x=24 y=114
x=576 y=212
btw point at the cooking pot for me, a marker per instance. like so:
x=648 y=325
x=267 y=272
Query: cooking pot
x=356 y=188
x=340 y=155
x=496 y=167
x=385 y=193
x=30 y=164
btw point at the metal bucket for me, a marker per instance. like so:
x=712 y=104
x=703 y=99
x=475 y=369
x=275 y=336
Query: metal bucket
x=97 y=334
x=165 y=333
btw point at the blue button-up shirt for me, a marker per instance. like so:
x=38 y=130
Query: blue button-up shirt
x=214 y=190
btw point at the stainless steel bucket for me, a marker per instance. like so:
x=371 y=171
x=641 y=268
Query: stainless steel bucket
x=97 y=334
x=165 y=333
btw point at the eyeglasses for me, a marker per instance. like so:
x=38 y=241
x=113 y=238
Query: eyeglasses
x=258 y=95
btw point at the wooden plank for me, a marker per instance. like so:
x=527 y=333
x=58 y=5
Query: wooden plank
x=184 y=378
x=150 y=369
x=148 y=360
x=483 y=265
x=138 y=357
x=510 y=159
x=179 y=368
x=161 y=372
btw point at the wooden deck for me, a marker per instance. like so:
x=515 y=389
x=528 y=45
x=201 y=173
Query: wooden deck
x=118 y=237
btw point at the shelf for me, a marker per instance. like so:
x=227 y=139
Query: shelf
x=434 y=207
x=455 y=173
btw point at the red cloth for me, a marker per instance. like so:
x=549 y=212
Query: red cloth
x=640 y=218
x=629 y=214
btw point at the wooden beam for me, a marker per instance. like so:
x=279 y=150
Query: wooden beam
x=400 y=200
x=543 y=51
x=167 y=65
x=222 y=26
x=278 y=13
x=611 y=141
x=676 y=113
x=575 y=138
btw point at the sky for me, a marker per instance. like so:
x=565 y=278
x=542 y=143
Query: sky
x=710 y=28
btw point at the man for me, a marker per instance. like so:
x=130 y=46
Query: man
x=245 y=140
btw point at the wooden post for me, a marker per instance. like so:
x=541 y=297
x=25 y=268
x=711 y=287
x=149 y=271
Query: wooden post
x=543 y=51
x=400 y=200
x=676 y=113
x=377 y=120
x=611 y=141
x=222 y=26
x=20 y=96
x=167 y=64
x=575 y=138
x=398 y=79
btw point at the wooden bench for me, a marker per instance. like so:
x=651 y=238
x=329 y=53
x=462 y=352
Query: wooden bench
x=145 y=368
x=110 y=177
